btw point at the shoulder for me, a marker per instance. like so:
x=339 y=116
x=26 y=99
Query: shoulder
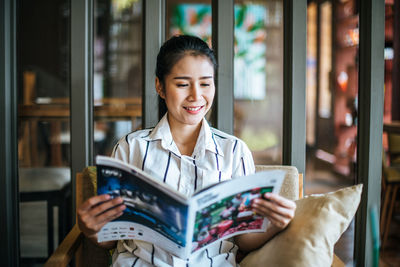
x=134 y=137
x=134 y=141
x=224 y=139
x=223 y=136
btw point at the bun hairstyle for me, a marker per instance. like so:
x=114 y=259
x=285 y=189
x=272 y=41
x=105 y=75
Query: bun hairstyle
x=174 y=50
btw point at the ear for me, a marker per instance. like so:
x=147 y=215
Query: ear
x=160 y=89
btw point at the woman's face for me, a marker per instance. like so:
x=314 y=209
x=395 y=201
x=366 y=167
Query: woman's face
x=188 y=90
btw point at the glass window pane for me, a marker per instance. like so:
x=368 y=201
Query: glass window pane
x=258 y=84
x=189 y=17
x=391 y=135
x=43 y=55
x=192 y=18
x=332 y=91
x=117 y=79
x=311 y=81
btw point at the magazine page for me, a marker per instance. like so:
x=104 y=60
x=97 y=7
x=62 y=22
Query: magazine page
x=224 y=210
x=153 y=212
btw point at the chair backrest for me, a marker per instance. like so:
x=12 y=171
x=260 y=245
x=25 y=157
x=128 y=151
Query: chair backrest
x=86 y=184
x=292 y=185
x=394 y=148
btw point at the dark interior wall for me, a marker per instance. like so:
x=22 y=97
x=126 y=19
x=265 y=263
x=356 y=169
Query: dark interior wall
x=396 y=63
x=43 y=45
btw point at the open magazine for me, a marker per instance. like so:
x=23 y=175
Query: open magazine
x=181 y=225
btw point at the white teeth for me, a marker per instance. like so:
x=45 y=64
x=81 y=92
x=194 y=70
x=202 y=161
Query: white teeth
x=193 y=109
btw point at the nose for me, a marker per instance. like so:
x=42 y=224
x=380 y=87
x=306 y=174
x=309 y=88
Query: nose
x=195 y=92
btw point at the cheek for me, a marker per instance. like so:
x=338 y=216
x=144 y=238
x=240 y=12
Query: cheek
x=174 y=97
x=210 y=96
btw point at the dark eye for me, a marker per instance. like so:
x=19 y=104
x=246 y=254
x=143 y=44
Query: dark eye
x=182 y=85
x=205 y=84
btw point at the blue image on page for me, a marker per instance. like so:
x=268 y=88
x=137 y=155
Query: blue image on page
x=145 y=204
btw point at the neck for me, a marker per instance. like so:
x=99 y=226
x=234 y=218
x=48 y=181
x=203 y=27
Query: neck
x=185 y=137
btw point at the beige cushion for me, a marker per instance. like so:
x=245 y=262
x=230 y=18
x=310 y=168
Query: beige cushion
x=89 y=182
x=309 y=239
x=290 y=186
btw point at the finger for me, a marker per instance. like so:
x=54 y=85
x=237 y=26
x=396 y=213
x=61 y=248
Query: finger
x=282 y=201
x=93 y=224
x=93 y=201
x=100 y=225
x=278 y=223
x=97 y=210
x=273 y=217
x=110 y=215
x=87 y=217
x=265 y=212
x=271 y=207
x=278 y=220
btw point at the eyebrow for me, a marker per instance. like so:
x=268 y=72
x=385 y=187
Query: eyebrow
x=189 y=78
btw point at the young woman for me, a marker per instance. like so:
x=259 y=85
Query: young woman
x=184 y=152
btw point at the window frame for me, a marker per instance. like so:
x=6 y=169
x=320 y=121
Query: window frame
x=9 y=196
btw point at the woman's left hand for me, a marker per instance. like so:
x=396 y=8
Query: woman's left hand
x=279 y=210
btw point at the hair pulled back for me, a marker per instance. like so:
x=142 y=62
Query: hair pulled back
x=174 y=50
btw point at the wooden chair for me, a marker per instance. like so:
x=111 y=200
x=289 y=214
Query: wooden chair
x=390 y=186
x=75 y=245
x=394 y=149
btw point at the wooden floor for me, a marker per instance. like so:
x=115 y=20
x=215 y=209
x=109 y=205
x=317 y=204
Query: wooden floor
x=390 y=255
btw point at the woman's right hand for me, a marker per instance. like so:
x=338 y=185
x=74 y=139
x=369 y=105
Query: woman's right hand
x=95 y=212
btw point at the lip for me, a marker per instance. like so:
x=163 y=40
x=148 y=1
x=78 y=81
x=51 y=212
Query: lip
x=194 y=109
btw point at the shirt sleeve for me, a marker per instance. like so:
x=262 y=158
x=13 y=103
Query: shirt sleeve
x=243 y=163
x=121 y=150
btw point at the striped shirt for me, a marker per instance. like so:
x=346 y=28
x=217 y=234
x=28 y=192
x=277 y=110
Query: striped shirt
x=217 y=156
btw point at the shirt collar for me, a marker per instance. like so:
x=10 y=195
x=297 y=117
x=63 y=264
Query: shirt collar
x=205 y=141
x=207 y=137
x=162 y=132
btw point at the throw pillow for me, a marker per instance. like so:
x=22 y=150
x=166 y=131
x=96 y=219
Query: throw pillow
x=309 y=239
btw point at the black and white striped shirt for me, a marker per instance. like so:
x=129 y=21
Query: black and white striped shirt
x=217 y=156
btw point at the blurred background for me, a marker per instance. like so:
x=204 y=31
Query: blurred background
x=44 y=141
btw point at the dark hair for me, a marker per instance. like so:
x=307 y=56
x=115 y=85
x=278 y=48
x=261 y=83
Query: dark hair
x=175 y=49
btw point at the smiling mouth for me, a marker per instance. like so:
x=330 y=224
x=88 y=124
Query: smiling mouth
x=193 y=108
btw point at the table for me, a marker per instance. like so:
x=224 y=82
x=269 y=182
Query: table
x=105 y=108
x=392 y=127
x=57 y=111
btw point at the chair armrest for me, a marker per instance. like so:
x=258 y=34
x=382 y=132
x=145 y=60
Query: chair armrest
x=66 y=250
x=337 y=262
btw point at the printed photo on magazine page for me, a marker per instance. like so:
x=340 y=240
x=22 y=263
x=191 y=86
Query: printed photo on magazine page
x=146 y=205
x=227 y=217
